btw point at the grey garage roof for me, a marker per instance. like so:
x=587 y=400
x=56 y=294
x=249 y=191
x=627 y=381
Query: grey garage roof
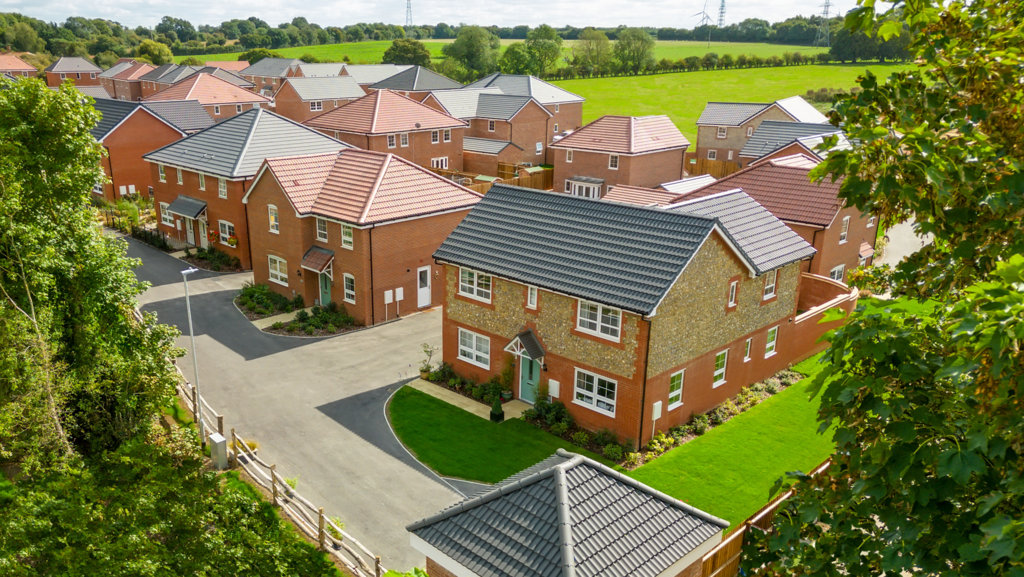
x=73 y=64
x=620 y=255
x=772 y=135
x=729 y=113
x=327 y=88
x=765 y=239
x=417 y=78
x=485 y=145
x=115 y=69
x=276 y=67
x=187 y=206
x=574 y=516
x=236 y=147
x=187 y=115
x=520 y=85
x=587 y=179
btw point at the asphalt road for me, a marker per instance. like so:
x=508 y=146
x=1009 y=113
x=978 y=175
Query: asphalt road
x=316 y=406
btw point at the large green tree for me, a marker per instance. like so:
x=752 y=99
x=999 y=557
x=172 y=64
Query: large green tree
x=476 y=49
x=592 y=52
x=634 y=50
x=407 y=51
x=545 y=47
x=925 y=396
x=155 y=52
x=517 y=60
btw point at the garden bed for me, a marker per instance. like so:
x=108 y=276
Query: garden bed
x=257 y=301
x=483 y=393
x=317 y=322
x=212 y=259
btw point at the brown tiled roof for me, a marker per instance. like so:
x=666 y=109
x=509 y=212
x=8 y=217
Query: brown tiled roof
x=384 y=112
x=784 y=189
x=865 y=250
x=233 y=65
x=626 y=135
x=11 y=62
x=317 y=259
x=366 y=187
x=134 y=71
x=207 y=90
x=639 y=195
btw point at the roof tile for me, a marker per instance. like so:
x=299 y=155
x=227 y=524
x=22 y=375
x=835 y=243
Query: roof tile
x=626 y=135
x=384 y=112
x=208 y=90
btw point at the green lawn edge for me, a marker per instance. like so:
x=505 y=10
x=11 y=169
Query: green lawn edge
x=455 y=443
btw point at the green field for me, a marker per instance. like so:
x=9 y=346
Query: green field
x=682 y=96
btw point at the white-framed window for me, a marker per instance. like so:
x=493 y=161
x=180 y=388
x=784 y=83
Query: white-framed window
x=712 y=155
x=531 y=297
x=447 y=134
x=746 y=349
x=729 y=155
x=222 y=188
x=238 y=109
x=750 y=131
x=405 y=139
x=723 y=132
x=181 y=179
x=474 y=285
x=278 y=270
x=769 y=283
x=862 y=261
x=475 y=349
x=721 y=359
x=845 y=232
x=216 y=110
x=568 y=156
x=439 y=162
x=540 y=148
x=321 y=229
x=349 y=282
x=163 y=174
x=275 y=222
x=490 y=126
x=599 y=320
x=63 y=76
x=595 y=392
x=202 y=181
x=734 y=286
x=584 y=189
x=316 y=106
x=391 y=141
x=769 y=347
x=568 y=186
x=837 y=273
x=92 y=75
x=346 y=237
x=871 y=221
x=556 y=108
x=227 y=230
x=675 y=389
x=166 y=217
x=435 y=137
x=556 y=128
x=613 y=161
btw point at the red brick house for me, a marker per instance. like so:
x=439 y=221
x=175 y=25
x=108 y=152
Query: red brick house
x=229 y=65
x=199 y=181
x=75 y=68
x=632 y=150
x=123 y=81
x=301 y=99
x=366 y=75
x=629 y=312
x=386 y=121
x=16 y=67
x=355 y=227
x=168 y=75
x=416 y=82
x=724 y=128
x=268 y=74
x=220 y=98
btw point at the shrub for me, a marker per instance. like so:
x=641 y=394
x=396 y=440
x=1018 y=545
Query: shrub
x=556 y=412
x=277 y=326
x=292 y=327
x=632 y=460
x=580 y=438
x=700 y=424
x=301 y=317
x=773 y=385
x=529 y=414
x=479 y=391
x=612 y=451
x=560 y=428
x=292 y=481
x=789 y=377
x=298 y=302
x=680 y=432
x=310 y=330
x=724 y=412
x=605 y=437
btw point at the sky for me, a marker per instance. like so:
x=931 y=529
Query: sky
x=658 y=13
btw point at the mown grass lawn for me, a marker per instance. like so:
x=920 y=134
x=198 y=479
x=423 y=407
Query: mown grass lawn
x=729 y=471
x=455 y=443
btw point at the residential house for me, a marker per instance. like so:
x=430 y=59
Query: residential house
x=787 y=138
x=307 y=97
x=16 y=67
x=236 y=66
x=369 y=74
x=567 y=516
x=493 y=115
x=632 y=150
x=664 y=195
x=220 y=98
x=724 y=128
x=268 y=74
x=355 y=227
x=168 y=75
x=386 y=121
x=483 y=155
x=76 y=68
x=123 y=81
x=199 y=181
x=416 y=82
x=128 y=129
x=843 y=237
x=94 y=92
x=317 y=70
x=628 y=312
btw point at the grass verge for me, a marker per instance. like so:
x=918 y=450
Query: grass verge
x=455 y=443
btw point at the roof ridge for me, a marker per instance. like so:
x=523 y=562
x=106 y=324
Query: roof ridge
x=248 y=140
x=565 y=515
x=632 y=135
x=376 y=187
x=376 y=111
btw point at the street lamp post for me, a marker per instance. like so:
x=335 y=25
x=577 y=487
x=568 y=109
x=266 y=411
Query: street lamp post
x=195 y=362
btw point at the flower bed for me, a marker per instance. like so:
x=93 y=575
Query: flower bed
x=257 y=301
x=212 y=259
x=484 y=393
x=318 y=322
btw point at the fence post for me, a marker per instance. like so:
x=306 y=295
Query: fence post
x=273 y=481
x=220 y=425
x=234 y=446
x=376 y=566
x=320 y=536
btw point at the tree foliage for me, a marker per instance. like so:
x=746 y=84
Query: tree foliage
x=476 y=49
x=634 y=50
x=155 y=52
x=517 y=59
x=592 y=52
x=407 y=51
x=545 y=46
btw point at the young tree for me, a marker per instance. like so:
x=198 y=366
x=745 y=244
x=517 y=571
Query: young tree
x=545 y=46
x=517 y=59
x=407 y=51
x=634 y=50
x=476 y=49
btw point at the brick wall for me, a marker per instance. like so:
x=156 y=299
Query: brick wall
x=530 y=126
x=289 y=105
x=564 y=117
x=130 y=90
x=420 y=150
x=80 y=79
x=435 y=570
x=488 y=163
x=140 y=134
x=707 y=136
x=648 y=170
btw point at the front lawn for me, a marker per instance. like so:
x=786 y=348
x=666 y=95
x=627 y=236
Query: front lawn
x=455 y=443
x=729 y=471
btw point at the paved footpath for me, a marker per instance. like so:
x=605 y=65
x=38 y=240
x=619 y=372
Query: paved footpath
x=316 y=406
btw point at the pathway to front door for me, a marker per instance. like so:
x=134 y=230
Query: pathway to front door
x=529 y=377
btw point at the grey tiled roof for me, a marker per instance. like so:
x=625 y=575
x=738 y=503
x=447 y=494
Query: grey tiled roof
x=772 y=135
x=327 y=88
x=96 y=92
x=236 y=147
x=620 y=255
x=112 y=112
x=729 y=113
x=226 y=75
x=519 y=85
x=119 y=67
x=178 y=74
x=276 y=67
x=765 y=239
x=73 y=64
x=417 y=78
x=568 y=515
x=321 y=69
x=487 y=103
x=485 y=145
x=374 y=73
x=687 y=184
x=187 y=115
x=155 y=74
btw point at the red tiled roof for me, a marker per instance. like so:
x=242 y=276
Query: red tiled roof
x=626 y=135
x=639 y=195
x=365 y=187
x=317 y=259
x=784 y=188
x=233 y=65
x=134 y=71
x=865 y=250
x=384 y=112
x=11 y=62
x=207 y=89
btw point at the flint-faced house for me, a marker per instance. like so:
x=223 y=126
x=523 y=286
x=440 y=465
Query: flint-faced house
x=623 y=310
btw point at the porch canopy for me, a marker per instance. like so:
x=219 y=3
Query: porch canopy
x=526 y=345
x=187 y=207
x=317 y=259
x=587 y=180
x=865 y=250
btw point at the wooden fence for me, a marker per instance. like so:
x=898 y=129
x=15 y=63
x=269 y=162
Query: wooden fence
x=724 y=559
x=716 y=168
x=541 y=180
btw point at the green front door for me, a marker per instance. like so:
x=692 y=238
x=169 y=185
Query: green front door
x=325 y=289
x=529 y=376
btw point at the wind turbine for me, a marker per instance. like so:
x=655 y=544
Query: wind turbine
x=705 y=19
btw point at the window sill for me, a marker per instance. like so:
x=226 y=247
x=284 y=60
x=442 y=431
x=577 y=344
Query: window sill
x=351 y=302
x=592 y=407
x=747 y=359
x=474 y=363
x=675 y=406
x=718 y=384
x=770 y=355
x=599 y=335
x=272 y=231
x=222 y=197
x=348 y=247
x=275 y=281
x=842 y=242
x=323 y=240
x=768 y=297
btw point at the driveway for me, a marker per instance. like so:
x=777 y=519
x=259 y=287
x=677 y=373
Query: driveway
x=903 y=242
x=316 y=406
